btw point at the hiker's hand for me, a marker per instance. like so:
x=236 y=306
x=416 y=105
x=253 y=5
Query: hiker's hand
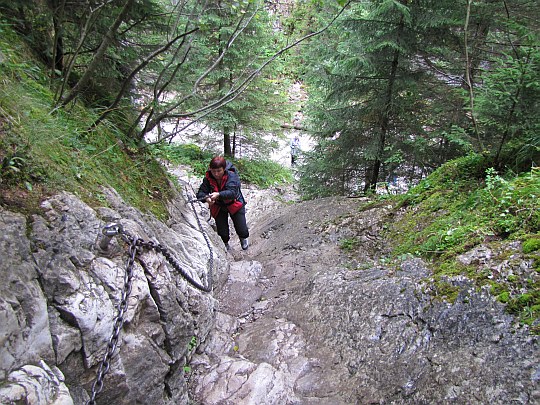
x=214 y=196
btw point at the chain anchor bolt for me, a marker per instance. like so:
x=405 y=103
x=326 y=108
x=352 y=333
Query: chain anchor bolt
x=109 y=231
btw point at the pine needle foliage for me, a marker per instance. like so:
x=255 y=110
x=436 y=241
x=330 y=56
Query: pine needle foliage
x=388 y=95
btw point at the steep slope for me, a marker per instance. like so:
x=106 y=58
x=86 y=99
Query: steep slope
x=295 y=319
x=302 y=322
x=64 y=300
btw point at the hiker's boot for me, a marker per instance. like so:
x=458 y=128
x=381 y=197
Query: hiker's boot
x=244 y=243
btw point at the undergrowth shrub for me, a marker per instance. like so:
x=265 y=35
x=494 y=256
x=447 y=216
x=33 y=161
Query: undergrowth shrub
x=262 y=173
x=450 y=213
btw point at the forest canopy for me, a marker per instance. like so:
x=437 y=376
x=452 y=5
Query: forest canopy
x=400 y=87
x=395 y=88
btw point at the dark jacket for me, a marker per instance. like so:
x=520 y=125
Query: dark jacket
x=230 y=195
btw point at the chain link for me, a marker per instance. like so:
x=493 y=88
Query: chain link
x=209 y=280
x=135 y=245
x=117 y=324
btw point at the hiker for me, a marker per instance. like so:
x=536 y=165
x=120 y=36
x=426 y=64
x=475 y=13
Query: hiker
x=295 y=148
x=221 y=187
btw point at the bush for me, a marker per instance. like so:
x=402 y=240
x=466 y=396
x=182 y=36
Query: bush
x=262 y=173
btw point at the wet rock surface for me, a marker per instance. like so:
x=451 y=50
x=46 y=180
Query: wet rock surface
x=307 y=323
x=295 y=319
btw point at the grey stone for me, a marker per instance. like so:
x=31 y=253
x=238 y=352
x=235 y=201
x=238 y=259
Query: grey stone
x=343 y=334
x=59 y=296
x=293 y=320
x=35 y=385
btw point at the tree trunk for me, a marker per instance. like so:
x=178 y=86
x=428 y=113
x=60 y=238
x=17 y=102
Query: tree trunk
x=372 y=174
x=469 y=75
x=227 y=141
x=98 y=56
x=234 y=142
x=58 y=46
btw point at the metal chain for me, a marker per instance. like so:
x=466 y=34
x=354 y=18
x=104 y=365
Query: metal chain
x=134 y=247
x=117 y=324
x=207 y=240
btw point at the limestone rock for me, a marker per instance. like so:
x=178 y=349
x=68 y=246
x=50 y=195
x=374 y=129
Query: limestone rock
x=295 y=319
x=333 y=327
x=60 y=294
x=35 y=385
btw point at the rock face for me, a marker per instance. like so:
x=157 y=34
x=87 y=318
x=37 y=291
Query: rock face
x=295 y=319
x=59 y=295
x=326 y=327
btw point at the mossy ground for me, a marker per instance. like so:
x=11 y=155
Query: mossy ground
x=465 y=204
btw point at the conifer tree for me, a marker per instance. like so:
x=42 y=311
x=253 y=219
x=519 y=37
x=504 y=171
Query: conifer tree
x=400 y=87
x=239 y=47
x=369 y=94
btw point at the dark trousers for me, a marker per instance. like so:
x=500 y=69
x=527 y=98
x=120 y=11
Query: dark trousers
x=239 y=221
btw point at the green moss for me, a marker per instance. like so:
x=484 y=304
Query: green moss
x=452 y=268
x=497 y=288
x=536 y=262
x=349 y=244
x=525 y=299
x=512 y=278
x=446 y=291
x=464 y=204
x=454 y=211
x=503 y=297
x=531 y=245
